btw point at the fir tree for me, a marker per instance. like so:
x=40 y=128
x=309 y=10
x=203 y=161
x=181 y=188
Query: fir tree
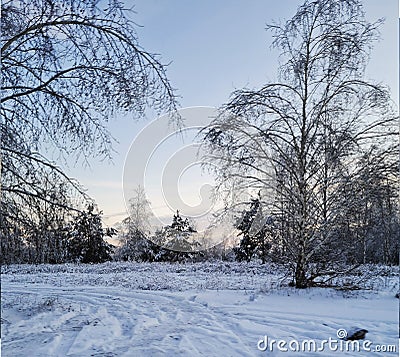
x=87 y=244
x=254 y=228
x=176 y=242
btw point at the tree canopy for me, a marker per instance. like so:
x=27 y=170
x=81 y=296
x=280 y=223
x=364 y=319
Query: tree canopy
x=67 y=68
x=299 y=139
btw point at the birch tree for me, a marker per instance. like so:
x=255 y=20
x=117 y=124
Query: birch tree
x=298 y=136
x=135 y=236
x=67 y=68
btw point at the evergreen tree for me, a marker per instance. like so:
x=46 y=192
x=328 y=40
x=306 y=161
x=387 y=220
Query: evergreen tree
x=87 y=244
x=254 y=229
x=175 y=240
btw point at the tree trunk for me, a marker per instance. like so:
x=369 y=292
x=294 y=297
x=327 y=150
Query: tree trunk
x=300 y=274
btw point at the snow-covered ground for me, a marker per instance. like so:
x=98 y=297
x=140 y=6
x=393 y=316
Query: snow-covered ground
x=203 y=309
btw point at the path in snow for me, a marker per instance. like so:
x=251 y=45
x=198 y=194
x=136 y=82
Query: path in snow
x=44 y=320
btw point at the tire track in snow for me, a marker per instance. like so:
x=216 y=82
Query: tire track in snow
x=107 y=321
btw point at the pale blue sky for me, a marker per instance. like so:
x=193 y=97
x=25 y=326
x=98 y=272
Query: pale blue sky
x=216 y=47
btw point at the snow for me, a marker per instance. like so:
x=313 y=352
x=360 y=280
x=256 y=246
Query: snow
x=203 y=309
